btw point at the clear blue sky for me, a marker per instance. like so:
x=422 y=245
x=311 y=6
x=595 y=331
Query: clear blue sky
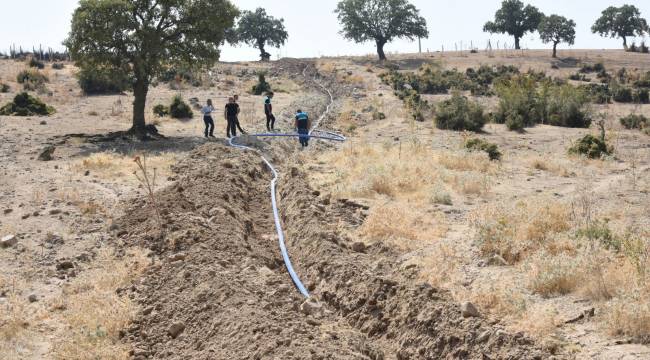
x=313 y=27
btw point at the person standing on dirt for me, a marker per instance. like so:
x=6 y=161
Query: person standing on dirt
x=236 y=97
x=302 y=126
x=230 y=114
x=268 y=110
x=207 y=118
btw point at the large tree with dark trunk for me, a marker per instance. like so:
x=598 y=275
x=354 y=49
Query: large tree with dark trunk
x=556 y=29
x=515 y=19
x=258 y=29
x=145 y=37
x=621 y=22
x=381 y=21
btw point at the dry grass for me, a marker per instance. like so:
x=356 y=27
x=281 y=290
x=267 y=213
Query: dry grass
x=551 y=166
x=517 y=230
x=551 y=275
x=94 y=313
x=629 y=316
x=441 y=266
x=409 y=170
x=15 y=318
x=403 y=226
x=110 y=165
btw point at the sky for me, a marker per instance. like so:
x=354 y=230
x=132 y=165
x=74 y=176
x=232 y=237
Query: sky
x=314 y=30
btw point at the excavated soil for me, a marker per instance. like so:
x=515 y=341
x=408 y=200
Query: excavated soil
x=218 y=289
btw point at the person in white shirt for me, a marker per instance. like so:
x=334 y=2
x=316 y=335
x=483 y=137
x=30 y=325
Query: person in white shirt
x=207 y=118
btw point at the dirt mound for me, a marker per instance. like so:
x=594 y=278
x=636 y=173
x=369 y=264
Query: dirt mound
x=219 y=289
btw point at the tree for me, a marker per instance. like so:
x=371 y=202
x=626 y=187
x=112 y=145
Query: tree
x=621 y=22
x=258 y=30
x=556 y=29
x=381 y=21
x=144 y=37
x=514 y=19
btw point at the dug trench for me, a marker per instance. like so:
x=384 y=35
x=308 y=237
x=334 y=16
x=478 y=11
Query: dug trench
x=217 y=287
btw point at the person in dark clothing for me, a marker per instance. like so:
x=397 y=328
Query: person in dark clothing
x=207 y=118
x=230 y=114
x=268 y=110
x=236 y=97
x=302 y=126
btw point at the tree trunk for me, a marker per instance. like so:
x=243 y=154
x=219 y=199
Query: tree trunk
x=264 y=56
x=140 y=91
x=517 y=47
x=380 y=50
x=555 y=49
x=624 y=42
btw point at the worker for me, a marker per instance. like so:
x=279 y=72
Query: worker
x=230 y=114
x=268 y=111
x=302 y=127
x=236 y=97
x=207 y=118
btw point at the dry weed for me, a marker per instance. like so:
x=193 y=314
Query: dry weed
x=403 y=226
x=117 y=166
x=514 y=231
x=93 y=311
x=551 y=275
x=548 y=165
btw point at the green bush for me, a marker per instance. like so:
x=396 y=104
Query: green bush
x=458 y=113
x=635 y=121
x=36 y=63
x=161 y=110
x=519 y=105
x=481 y=145
x=95 y=80
x=622 y=95
x=641 y=96
x=591 y=146
x=600 y=94
x=600 y=231
x=26 y=105
x=179 y=109
x=262 y=86
x=58 y=66
x=565 y=106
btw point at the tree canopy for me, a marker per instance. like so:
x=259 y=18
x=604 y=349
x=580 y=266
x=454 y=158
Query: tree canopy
x=258 y=29
x=621 y=22
x=515 y=19
x=381 y=21
x=556 y=29
x=144 y=37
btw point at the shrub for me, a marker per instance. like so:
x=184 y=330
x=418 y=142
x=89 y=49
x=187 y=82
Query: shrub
x=643 y=48
x=4 y=88
x=31 y=76
x=262 y=86
x=600 y=94
x=518 y=103
x=591 y=147
x=600 y=231
x=641 y=96
x=481 y=145
x=95 y=80
x=26 y=105
x=179 y=109
x=634 y=121
x=36 y=63
x=58 y=66
x=622 y=95
x=579 y=77
x=596 y=68
x=161 y=110
x=565 y=106
x=458 y=113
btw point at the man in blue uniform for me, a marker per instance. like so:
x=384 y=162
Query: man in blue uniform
x=302 y=126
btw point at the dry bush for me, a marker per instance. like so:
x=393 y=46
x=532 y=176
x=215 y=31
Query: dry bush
x=326 y=66
x=110 y=165
x=501 y=299
x=548 y=165
x=94 y=313
x=466 y=161
x=403 y=226
x=551 y=275
x=516 y=230
x=630 y=316
x=542 y=321
x=440 y=267
x=15 y=318
x=468 y=183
